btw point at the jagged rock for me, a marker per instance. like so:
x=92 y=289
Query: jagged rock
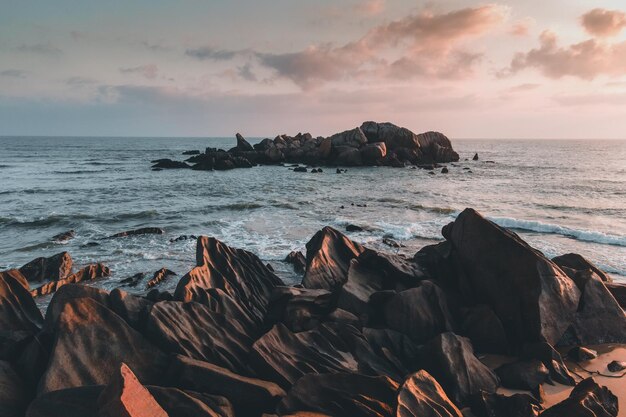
x=194 y=330
x=497 y=405
x=142 y=231
x=249 y=396
x=342 y=394
x=524 y=375
x=328 y=258
x=90 y=342
x=394 y=346
x=475 y=158
x=599 y=318
x=437 y=146
x=299 y=308
x=481 y=325
x=300 y=169
x=581 y=354
x=53 y=268
x=399 y=272
x=224 y=165
x=587 y=399
x=242 y=144
x=444 y=170
x=18 y=310
x=420 y=313
x=373 y=153
x=193 y=152
x=362 y=282
x=168 y=164
x=284 y=357
x=64 y=237
x=534 y=300
x=450 y=360
x=551 y=359
x=393 y=136
x=241 y=162
x=88 y=273
x=134 y=310
x=71 y=292
x=126 y=397
x=422 y=396
x=579 y=263
x=159 y=276
x=239 y=273
x=13 y=395
x=133 y=281
x=297 y=259
x=616 y=366
x=263 y=145
x=353 y=228
x=351 y=138
x=618 y=291
x=348 y=156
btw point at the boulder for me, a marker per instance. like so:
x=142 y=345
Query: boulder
x=616 y=366
x=88 y=273
x=18 y=310
x=586 y=399
x=264 y=145
x=342 y=394
x=142 y=231
x=351 y=138
x=618 y=291
x=328 y=258
x=396 y=347
x=250 y=396
x=422 y=396
x=134 y=310
x=475 y=158
x=242 y=144
x=13 y=395
x=393 y=136
x=284 y=356
x=299 y=309
x=353 y=228
x=53 y=268
x=224 y=164
x=297 y=259
x=450 y=360
x=483 y=327
x=126 y=397
x=64 y=237
x=534 y=300
x=437 y=146
x=421 y=313
x=89 y=345
x=169 y=164
x=361 y=283
x=68 y=293
x=581 y=354
x=194 y=330
x=239 y=273
x=347 y=156
x=373 y=153
x=497 y=405
x=599 y=318
x=551 y=359
x=159 y=276
x=192 y=152
x=579 y=263
x=523 y=375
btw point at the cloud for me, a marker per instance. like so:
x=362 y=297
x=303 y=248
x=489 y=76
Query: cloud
x=40 y=49
x=13 y=73
x=426 y=43
x=79 y=81
x=522 y=27
x=523 y=88
x=149 y=71
x=604 y=23
x=586 y=60
x=370 y=7
x=210 y=53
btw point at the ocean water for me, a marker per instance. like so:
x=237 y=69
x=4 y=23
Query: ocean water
x=561 y=196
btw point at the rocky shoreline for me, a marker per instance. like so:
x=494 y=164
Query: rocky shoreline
x=366 y=333
x=371 y=144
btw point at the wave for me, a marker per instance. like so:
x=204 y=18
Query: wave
x=547 y=228
x=78 y=172
x=52 y=219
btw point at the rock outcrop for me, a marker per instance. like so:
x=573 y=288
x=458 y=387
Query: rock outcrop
x=53 y=268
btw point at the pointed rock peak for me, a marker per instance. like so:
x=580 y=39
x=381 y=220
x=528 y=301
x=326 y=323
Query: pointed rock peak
x=126 y=397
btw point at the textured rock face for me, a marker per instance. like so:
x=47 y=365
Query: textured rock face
x=373 y=153
x=193 y=330
x=159 y=276
x=450 y=359
x=91 y=342
x=532 y=297
x=342 y=394
x=239 y=273
x=328 y=256
x=551 y=359
x=242 y=144
x=88 y=273
x=393 y=136
x=17 y=307
x=496 y=405
x=422 y=396
x=68 y=293
x=579 y=263
x=481 y=325
x=351 y=138
x=524 y=375
x=298 y=308
x=13 y=395
x=437 y=146
x=586 y=399
x=53 y=268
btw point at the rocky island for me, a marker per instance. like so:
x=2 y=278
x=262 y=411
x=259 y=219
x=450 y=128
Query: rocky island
x=366 y=333
x=371 y=144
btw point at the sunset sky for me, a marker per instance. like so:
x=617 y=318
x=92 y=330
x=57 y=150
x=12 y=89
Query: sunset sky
x=508 y=69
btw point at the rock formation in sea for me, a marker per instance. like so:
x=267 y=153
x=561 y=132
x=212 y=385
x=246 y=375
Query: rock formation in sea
x=366 y=334
x=370 y=144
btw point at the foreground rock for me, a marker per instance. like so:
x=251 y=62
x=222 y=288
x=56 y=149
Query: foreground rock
x=422 y=396
x=18 y=311
x=53 y=268
x=142 y=231
x=370 y=144
x=586 y=399
x=88 y=273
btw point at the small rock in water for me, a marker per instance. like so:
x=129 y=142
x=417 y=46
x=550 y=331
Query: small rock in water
x=298 y=261
x=132 y=281
x=342 y=207
x=64 y=237
x=159 y=276
x=431 y=173
x=142 y=231
x=444 y=170
x=391 y=243
x=353 y=228
x=475 y=158
x=196 y=152
x=616 y=366
x=581 y=354
x=300 y=169
x=183 y=237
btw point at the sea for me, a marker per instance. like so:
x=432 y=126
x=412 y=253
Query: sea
x=561 y=196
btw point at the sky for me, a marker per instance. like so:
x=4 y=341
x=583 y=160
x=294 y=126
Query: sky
x=469 y=69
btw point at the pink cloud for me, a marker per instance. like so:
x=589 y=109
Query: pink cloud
x=522 y=27
x=604 y=23
x=371 y=7
x=149 y=71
